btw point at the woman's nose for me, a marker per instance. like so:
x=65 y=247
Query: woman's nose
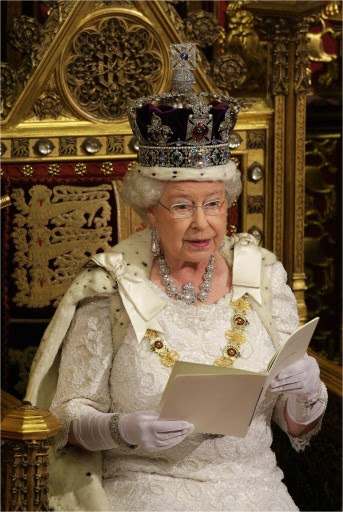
x=199 y=219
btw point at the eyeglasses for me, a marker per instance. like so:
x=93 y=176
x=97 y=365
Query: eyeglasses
x=183 y=210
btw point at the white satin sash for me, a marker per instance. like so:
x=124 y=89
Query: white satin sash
x=247 y=263
x=141 y=303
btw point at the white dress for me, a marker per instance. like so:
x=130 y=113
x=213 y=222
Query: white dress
x=203 y=473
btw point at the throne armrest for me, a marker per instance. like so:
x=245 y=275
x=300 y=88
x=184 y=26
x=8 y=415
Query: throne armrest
x=26 y=435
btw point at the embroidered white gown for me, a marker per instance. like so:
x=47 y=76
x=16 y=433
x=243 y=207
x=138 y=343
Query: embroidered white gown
x=202 y=473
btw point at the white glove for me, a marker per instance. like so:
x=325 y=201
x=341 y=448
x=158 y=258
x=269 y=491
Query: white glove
x=92 y=431
x=301 y=381
x=144 y=429
x=300 y=378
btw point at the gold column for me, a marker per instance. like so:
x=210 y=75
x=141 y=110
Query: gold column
x=286 y=25
x=26 y=435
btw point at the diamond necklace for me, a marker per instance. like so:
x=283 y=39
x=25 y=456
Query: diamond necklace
x=187 y=293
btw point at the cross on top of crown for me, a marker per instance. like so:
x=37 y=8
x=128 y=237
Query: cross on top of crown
x=183 y=55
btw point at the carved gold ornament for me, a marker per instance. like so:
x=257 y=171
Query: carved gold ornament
x=229 y=71
x=20 y=147
x=115 y=144
x=54 y=232
x=26 y=34
x=202 y=28
x=48 y=105
x=111 y=63
x=9 y=88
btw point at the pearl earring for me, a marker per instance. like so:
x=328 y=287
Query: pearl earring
x=155 y=242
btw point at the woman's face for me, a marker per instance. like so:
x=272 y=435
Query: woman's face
x=192 y=239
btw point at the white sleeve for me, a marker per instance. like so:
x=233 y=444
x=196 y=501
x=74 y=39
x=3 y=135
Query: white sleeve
x=285 y=316
x=86 y=361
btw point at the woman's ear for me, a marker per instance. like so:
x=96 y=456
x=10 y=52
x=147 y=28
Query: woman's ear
x=151 y=215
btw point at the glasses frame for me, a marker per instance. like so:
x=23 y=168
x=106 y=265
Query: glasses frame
x=194 y=207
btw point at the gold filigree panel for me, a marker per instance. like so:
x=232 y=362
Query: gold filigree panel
x=54 y=232
x=111 y=60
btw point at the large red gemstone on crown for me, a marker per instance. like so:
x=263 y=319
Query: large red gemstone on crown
x=199 y=131
x=158 y=344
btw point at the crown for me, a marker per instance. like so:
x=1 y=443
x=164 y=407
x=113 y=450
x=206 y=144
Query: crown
x=182 y=129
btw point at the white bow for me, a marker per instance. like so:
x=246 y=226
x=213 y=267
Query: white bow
x=246 y=276
x=141 y=303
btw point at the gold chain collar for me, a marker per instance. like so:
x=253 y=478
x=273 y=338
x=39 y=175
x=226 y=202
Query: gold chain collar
x=235 y=338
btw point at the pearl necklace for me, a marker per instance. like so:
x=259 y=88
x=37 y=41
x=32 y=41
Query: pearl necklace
x=187 y=293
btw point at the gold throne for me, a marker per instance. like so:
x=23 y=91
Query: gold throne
x=66 y=144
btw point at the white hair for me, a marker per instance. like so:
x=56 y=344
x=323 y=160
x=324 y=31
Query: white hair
x=142 y=192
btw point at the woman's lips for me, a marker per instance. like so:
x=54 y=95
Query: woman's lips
x=200 y=244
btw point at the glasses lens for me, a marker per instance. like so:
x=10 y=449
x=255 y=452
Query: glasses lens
x=182 y=210
x=212 y=207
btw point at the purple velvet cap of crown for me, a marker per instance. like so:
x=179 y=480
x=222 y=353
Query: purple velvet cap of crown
x=176 y=119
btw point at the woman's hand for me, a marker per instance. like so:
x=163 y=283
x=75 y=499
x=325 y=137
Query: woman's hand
x=300 y=378
x=145 y=430
x=307 y=395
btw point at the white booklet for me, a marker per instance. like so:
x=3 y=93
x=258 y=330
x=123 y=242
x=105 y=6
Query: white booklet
x=221 y=400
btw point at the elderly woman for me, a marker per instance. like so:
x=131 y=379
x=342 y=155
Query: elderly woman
x=172 y=291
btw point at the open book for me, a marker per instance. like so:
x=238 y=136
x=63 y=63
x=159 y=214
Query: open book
x=221 y=400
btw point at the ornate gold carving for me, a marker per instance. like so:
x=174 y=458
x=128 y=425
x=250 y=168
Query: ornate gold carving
x=106 y=168
x=115 y=144
x=27 y=170
x=202 y=28
x=25 y=465
x=299 y=188
x=26 y=34
x=58 y=13
x=20 y=147
x=115 y=3
x=53 y=169
x=255 y=204
x=279 y=162
x=256 y=139
x=229 y=71
x=315 y=44
x=280 y=44
x=243 y=41
x=298 y=285
x=26 y=432
x=53 y=233
x=48 y=105
x=332 y=8
x=109 y=64
x=9 y=88
x=80 y=168
x=67 y=146
x=302 y=71
x=5 y=201
x=176 y=20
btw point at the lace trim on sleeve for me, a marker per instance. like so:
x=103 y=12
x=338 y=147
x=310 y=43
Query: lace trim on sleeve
x=85 y=366
x=299 y=443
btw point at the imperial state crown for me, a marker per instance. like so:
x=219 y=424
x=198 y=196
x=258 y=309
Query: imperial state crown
x=181 y=129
